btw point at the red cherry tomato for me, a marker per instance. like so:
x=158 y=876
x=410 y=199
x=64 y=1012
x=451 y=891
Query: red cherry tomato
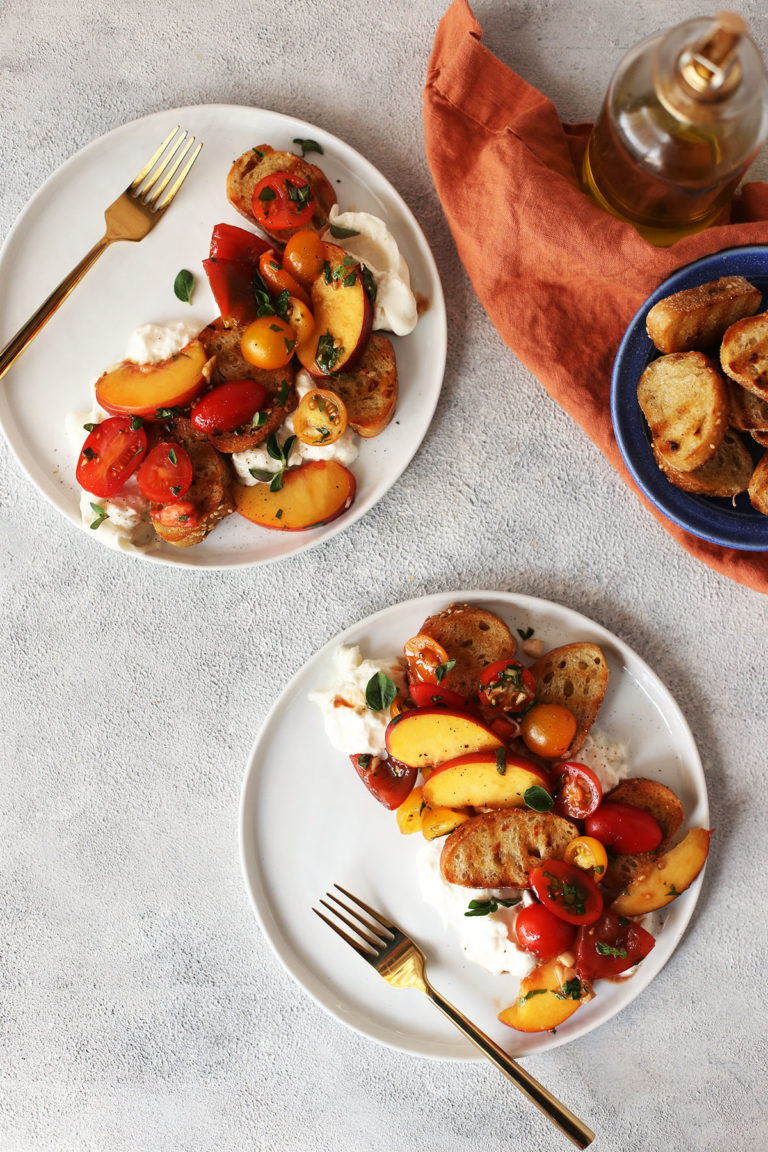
x=610 y=946
x=229 y=406
x=427 y=695
x=183 y=513
x=567 y=891
x=166 y=473
x=282 y=200
x=111 y=453
x=389 y=784
x=539 y=931
x=623 y=828
x=576 y=789
x=508 y=686
x=228 y=242
x=232 y=286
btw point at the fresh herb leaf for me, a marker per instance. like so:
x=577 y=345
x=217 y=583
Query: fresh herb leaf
x=263 y=475
x=533 y=992
x=101 y=515
x=90 y=427
x=327 y=355
x=280 y=303
x=501 y=761
x=307 y=145
x=172 y=457
x=525 y=634
x=136 y=422
x=258 y=152
x=380 y=691
x=442 y=670
x=176 y=489
x=267 y=193
x=260 y=418
x=571 y=990
x=277 y=482
x=491 y=905
x=282 y=394
x=369 y=283
x=89 y=453
x=609 y=950
x=350 y=281
x=364 y=761
x=340 y=233
x=184 y=286
x=279 y=514
x=166 y=413
x=273 y=447
x=538 y=799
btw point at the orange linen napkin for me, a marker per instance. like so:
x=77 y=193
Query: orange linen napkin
x=559 y=277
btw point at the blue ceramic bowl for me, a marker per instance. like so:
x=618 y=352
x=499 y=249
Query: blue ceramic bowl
x=732 y=523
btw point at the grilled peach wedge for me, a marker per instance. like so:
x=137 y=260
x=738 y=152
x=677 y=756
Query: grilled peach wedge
x=313 y=494
x=422 y=737
x=665 y=878
x=496 y=779
x=131 y=389
x=546 y=999
x=343 y=316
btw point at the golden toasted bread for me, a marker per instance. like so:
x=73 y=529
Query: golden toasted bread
x=474 y=638
x=255 y=164
x=229 y=364
x=726 y=474
x=744 y=354
x=210 y=492
x=758 y=486
x=499 y=849
x=370 y=392
x=667 y=811
x=684 y=399
x=747 y=412
x=697 y=317
x=575 y=675
x=760 y=438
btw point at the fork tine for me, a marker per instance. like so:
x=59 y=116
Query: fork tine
x=340 y=932
x=367 y=908
x=357 y=925
x=181 y=177
x=162 y=166
x=169 y=172
x=148 y=167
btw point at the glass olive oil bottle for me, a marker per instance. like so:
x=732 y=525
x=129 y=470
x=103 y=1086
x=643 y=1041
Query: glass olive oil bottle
x=684 y=116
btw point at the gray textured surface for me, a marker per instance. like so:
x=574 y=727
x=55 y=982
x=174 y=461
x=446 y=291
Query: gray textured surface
x=139 y=1006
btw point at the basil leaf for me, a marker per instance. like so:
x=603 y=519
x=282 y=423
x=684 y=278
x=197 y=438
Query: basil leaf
x=277 y=482
x=262 y=474
x=184 y=286
x=307 y=145
x=380 y=691
x=273 y=448
x=538 y=799
x=340 y=233
x=442 y=670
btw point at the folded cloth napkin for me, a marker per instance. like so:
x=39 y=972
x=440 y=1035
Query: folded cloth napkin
x=559 y=277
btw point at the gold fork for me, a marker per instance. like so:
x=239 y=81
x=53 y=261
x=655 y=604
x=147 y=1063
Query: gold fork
x=402 y=964
x=131 y=217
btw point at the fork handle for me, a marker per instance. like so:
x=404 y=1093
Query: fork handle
x=565 y=1120
x=27 y=333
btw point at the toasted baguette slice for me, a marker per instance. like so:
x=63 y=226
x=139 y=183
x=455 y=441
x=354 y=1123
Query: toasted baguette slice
x=667 y=811
x=744 y=354
x=758 y=486
x=684 y=399
x=575 y=675
x=726 y=474
x=747 y=412
x=474 y=638
x=697 y=317
x=499 y=849
x=230 y=364
x=211 y=489
x=255 y=164
x=370 y=392
x=760 y=438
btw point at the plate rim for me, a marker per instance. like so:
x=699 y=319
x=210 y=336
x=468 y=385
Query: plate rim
x=511 y=600
x=438 y=350
x=707 y=522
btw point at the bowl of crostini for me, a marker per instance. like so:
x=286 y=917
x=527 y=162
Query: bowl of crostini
x=689 y=398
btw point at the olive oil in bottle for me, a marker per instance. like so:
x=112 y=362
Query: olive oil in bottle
x=684 y=116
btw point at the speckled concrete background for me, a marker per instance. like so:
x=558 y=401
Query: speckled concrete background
x=140 y=1008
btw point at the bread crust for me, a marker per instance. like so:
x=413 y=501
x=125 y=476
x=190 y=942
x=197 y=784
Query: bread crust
x=744 y=354
x=499 y=849
x=211 y=489
x=727 y=473
x=758 y=486
x=667 y=811
x=370 y=391
x=684 y=400
x=255 y=164
x=697 y=318
x=747 y=411
x=576 y=676
x=474 y=638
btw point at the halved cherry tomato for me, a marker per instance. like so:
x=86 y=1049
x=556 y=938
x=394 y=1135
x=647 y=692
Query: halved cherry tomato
x=282 y=200
x=390 y=784
x=268 y=342
x=577 y=790
x=548 y=730
x=228 y=242
x=567 y=891
x=320 y=418
x=587 y=853
x=304 y=256
x=182 y=513
x=610 y=946
x=232 y=286
x=166 y=474
x=427 y=695
x=111 y=453
x=539 y=931
x=423 y=657
x=508 y=686
x=300 y=318
x=624 y=828
x=228 y=406
x=278 y=280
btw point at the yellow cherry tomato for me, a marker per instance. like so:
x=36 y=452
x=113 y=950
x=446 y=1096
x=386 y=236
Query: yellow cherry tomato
x=320 y=418
x=277 y=279
x=301 y=319
x=304 y=256
x=587 y=853
x=548 y=730
x=268 y=342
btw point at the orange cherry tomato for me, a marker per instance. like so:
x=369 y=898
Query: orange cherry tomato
x=181 y=514
x=423 y=657
x=587 y=853
x=548 y=730
x=320 y=418
x=304 y=256
x=268 y=342
x=277 y=279
x=301 y=319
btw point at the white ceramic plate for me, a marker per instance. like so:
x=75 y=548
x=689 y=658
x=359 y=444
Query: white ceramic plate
x=307 y=822
x=132 y=284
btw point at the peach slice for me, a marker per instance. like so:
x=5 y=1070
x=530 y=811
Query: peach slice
x=312 y=494
x=546 y=999
x=666 y=877
x=132 y=389
x=422 y=737
x=343 y=317
x=493 y=779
